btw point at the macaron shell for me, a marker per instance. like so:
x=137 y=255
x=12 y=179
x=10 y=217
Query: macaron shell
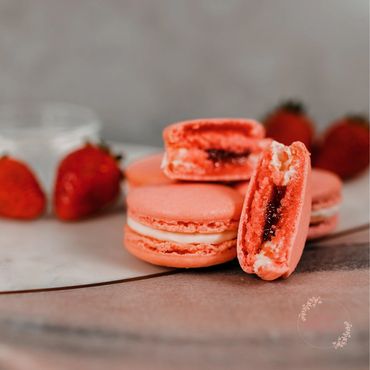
x=302 y=225
x=244 y=222
x=323 y=228
x=326 y=189
x=177 y=131
x=146 y=171
x=186 y=207
x=171 y=254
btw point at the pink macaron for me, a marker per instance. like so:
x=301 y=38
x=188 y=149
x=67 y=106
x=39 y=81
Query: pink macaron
x=276 y=213
x=146 y=171
x=213 y=149
x=326 y=200
x=183 y=225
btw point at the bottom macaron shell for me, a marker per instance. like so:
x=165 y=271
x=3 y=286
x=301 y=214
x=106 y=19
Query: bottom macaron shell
x=323 y=228
x=170 y=254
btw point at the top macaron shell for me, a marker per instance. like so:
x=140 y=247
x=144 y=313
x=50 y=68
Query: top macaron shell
x=147 y=171
x=186 y=207
x=176 y=131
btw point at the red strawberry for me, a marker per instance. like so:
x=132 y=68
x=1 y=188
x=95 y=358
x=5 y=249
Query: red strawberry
x=87 y=180
x=288 y=123
x=345 y=147
x=21 y=196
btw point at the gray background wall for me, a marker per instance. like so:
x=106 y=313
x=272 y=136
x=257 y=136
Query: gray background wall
x=144 y=63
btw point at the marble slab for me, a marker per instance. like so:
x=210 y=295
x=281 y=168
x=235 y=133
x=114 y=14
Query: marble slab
x=50 y=254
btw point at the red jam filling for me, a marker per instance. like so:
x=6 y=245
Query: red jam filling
x=272 y=216
x=221 y=155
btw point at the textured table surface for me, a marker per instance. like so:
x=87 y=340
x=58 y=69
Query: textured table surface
x=217 y=318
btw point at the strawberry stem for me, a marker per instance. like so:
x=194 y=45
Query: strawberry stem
x=358 y=119
x=103 y=145
x=293 y=106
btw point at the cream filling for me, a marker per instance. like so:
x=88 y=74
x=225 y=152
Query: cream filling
x=279 y=151
x=178 y=160
x=261 y=261
x=184 y=238
x=326 y=212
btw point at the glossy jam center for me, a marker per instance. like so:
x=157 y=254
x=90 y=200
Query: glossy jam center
x=272 y=215
x=221 y=155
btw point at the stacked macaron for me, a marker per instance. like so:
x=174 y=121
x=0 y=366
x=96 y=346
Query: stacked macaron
x=183 y=225
x=182 y=211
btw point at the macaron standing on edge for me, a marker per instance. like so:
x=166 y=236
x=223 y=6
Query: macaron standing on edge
x=212 y=149
x=276 y=213
x=183 y=225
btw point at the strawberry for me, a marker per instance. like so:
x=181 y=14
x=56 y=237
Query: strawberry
x=345 y=147
x=21 y=196
x=288 y=123
x=87 y=180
